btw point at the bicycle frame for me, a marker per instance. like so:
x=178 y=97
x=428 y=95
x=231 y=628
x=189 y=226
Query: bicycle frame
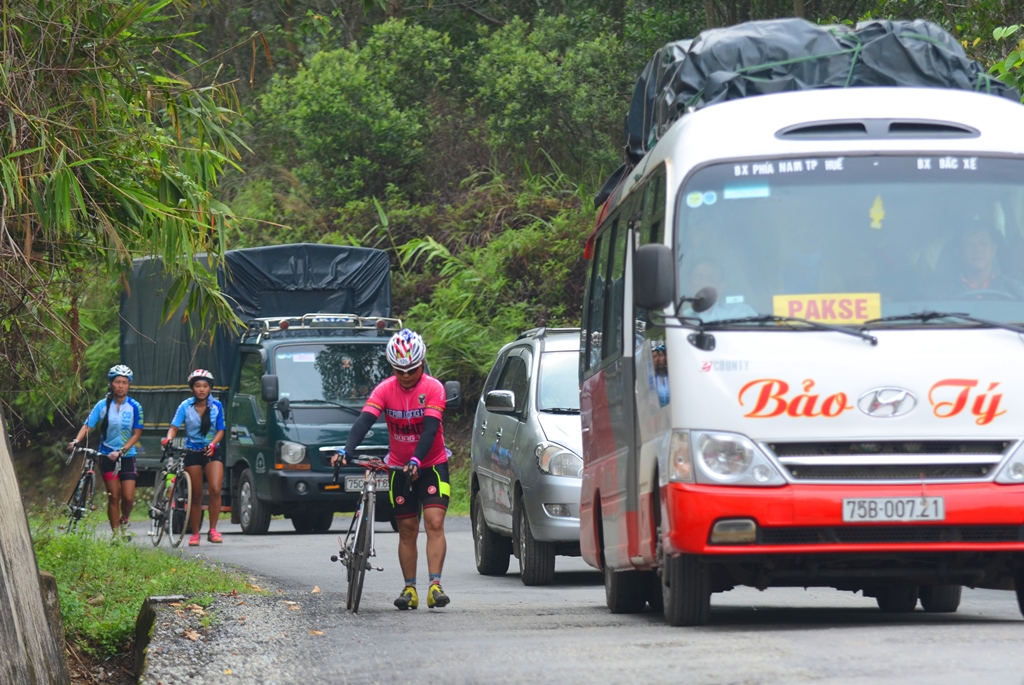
x=81 y=499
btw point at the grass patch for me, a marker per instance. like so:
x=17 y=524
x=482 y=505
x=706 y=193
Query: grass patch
x=459 y=503
x=102 y=584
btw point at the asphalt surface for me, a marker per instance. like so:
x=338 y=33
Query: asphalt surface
x=498 y=631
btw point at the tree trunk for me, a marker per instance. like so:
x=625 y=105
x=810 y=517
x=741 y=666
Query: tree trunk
x=709 y=13
x=30 y=653
x=798 y=9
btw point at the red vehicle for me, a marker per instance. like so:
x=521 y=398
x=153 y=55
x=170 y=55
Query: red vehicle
x=800 y=354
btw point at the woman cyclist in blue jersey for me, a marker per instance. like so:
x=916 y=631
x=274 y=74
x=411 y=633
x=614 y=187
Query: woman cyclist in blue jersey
x=120 y=420
x=202 y=417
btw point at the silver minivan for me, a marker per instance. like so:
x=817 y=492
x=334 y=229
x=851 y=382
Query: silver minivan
x=526 y=464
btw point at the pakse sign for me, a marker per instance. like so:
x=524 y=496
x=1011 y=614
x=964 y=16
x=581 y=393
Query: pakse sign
x=830 y=307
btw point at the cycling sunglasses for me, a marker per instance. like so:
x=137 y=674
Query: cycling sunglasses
x=407 y=372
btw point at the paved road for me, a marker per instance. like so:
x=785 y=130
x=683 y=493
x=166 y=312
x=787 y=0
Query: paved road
x=498 y=631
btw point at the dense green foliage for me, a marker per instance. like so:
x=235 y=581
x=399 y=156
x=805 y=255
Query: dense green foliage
x=102 y=584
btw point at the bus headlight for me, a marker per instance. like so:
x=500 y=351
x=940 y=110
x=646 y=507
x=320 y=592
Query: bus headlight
x=732 y=459
x=290 y=452
x=558 y=461
x=1013 y=472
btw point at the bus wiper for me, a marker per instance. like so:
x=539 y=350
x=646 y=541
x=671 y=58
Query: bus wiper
x=770 y=318
x=560 y=410
x=931 y=316
x=328 y=402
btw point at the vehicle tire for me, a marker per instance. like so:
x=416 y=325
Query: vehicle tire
x=536 y=559
x=322 y=521
x=493 y=552
x=158 y=513
x=897 y=599
x=357 y=572
x=686 y=590
x=1018 y=583
x=178 y=508
x=254 y=515
x=625 y=592
x=655 y=598
x=303 y=522
x=941 y=599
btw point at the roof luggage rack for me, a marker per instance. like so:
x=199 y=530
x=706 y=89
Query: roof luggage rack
x=262 y=327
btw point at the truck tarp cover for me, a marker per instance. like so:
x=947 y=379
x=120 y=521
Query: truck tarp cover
x=763 y=57
x=282 y=280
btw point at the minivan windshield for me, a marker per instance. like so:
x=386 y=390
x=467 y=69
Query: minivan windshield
x=558 y=383
x=844 y=240
x=330 y=374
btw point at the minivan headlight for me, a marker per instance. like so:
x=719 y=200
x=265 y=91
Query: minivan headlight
x=732 y=459
x=556 y=460
x=290 y=452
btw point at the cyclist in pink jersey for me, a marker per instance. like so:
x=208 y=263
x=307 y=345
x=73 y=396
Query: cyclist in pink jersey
x=412 y=403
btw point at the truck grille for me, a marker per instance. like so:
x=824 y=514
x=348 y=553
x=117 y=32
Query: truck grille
x=891 y=460
x=889 y=534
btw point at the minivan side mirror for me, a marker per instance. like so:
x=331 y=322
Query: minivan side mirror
x=453 y=395
x=500 y=401
x=269 y=389
x=654 y=281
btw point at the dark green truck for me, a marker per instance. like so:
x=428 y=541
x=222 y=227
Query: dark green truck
x=318 y=319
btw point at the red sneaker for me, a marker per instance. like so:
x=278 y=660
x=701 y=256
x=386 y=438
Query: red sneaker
x=214 y=536
x=194 y=540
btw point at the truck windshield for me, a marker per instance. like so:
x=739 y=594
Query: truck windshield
x=558 y=383
x=333 y=373
x=844 y=240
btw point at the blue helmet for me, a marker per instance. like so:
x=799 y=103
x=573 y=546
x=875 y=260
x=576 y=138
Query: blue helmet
x=119 y=370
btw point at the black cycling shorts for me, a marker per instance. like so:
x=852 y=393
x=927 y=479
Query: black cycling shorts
x=196 y=458
x=432 y=489
x=128 y=470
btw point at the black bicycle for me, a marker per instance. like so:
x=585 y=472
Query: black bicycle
x=172 y=498
x=356 y=549
x=80 y=502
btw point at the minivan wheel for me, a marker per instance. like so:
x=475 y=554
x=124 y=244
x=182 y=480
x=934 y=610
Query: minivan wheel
x=536 y=559
x=255 y=515
x=941 y=599
x=493 y=552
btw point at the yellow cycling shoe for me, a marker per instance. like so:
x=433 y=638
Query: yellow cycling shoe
x=436 y=597
x=408 y=599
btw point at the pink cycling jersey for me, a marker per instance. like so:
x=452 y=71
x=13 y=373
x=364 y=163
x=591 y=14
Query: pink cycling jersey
x=404 y=411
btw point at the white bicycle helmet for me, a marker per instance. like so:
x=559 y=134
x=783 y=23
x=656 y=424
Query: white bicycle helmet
x=200 y=375
x=406 y=349
x=119 y=370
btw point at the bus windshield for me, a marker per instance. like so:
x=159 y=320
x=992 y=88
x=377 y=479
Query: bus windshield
x=845 y=240
x=330 y=374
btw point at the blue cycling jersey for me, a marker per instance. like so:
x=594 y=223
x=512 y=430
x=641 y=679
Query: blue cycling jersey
x=123 y=420
x=187 y=416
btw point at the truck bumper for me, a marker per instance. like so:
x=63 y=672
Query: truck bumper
x=808 y=519
x=315 y=489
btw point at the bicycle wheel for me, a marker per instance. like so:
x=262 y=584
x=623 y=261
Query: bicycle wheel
x=79 y=501
x=158 y=510
x=178 y=507
x=360 y=556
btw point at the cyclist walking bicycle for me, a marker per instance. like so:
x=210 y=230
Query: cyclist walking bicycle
x=412 y=403
x=202 y=417
x=120 y=420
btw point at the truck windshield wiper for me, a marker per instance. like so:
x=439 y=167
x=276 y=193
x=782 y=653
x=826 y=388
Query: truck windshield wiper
x=931 y=316
x=770 y=318
x=354 y=410
x=560 y=410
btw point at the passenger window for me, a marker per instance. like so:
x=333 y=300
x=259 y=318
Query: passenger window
x=521 y=385
x=515 y=378
x=492 y=377
x=616 y=294
x=249 y=385
x=595 y=322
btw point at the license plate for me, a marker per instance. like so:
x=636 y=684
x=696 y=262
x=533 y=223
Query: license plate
x=894 y=509
x=355 y=483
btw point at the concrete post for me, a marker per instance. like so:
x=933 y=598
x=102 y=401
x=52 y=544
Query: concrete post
x=30 y=653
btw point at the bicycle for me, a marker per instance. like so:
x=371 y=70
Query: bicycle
x=80 y=502
x=357 y=548
x=172 y=498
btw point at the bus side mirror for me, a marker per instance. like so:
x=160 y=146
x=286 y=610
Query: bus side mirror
x=268 y=388
x=654 y=281
x=453 y=395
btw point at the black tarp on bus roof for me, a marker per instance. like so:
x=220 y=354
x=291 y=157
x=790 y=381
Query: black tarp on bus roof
x=763 y=57
x=281 y=280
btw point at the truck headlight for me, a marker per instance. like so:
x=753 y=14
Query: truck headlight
x=290 y=452
x=558 y=461
x=732 y=459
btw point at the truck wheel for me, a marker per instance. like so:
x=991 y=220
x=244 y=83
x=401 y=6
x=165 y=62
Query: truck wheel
x=493 y=552
x=536 y=559
x=254 y=515
x=322 y=521
x=303 y=522
x=941 y=599
x=897 y=599
x=685 y=590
